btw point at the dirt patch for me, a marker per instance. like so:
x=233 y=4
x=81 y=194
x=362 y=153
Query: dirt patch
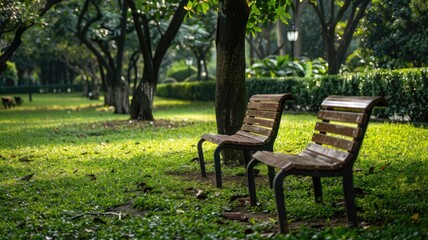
x=128 y=209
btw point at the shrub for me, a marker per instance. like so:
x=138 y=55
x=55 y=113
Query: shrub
x=200 y=91
x=9 y=77
x=180 y=72
x=404 y=89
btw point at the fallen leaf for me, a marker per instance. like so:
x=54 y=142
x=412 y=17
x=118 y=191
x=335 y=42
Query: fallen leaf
x=27 y=177
x=75 y=170
x=235 y=197
x=235 y=216
x=25 y=159
x=92 y=177
x=371 y=170
x=384 y=166
x=201 y=195
x=99 y=220
x=1 y=157
x=415 y=217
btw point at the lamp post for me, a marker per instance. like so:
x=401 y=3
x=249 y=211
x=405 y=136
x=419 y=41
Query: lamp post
x=292 y=35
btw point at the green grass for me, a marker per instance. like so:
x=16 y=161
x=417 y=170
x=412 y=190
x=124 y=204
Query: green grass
x=88 y=162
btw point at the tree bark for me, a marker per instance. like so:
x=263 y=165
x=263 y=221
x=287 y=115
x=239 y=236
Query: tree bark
x=230 y=100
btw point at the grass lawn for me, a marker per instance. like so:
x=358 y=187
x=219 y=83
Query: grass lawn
x=71 y=169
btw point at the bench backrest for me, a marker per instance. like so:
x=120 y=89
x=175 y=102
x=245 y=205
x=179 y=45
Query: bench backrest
x=338 y=136
x=263 y=116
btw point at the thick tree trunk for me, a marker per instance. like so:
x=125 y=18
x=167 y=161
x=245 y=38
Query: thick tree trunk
x=142 y=102
x=230 y=100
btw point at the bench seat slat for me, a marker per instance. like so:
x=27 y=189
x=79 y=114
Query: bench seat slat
x=232 y=139
x=334 y=141
x=258 y=121
x=261 y=114
x=348 y=117
x=337 y=155
x=287 y=162
x=258 y=130
x=338 y=129
x=253 y=136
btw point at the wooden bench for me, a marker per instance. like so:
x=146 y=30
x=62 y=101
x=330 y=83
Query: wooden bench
x=334 y=148
x=258 y=131
x=8 y=102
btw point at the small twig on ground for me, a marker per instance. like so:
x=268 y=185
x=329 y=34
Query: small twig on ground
x=119 y=215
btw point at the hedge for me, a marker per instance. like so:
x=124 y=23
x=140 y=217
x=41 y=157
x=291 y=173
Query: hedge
x=405 y=89
x=196 y=91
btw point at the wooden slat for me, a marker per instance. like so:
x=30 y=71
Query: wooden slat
x=263 y=106
x=261 y=122
x=271 y=97
x=338 y=129
x=287 y=162
x=255 y=129
x=334 y=141
x=253 y=136
x=357 y=103
x=349 y=117
x=271 y=159
x=234 y=139
x=261 y=114
x=336 y=155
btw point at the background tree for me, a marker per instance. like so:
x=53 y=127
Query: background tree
x=197 y=36
x=396 y=33
x=166 y=17
x=337 y=36
x=102 y=27
x=16 y=17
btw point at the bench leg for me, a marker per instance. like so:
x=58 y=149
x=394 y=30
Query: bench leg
x=271 y=174
x=217 y=167
x=251 y=181
x=247 y=157
x=201 y=158
x=280 y=202
x=348 y=189
x=317 y=189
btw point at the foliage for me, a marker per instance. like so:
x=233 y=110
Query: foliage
x=9 y=76
x=398 y=41
x=89 y=164
x=283 y=66
x=200 y=91
x=261 y=12
x=404 y=89
x=180 y=71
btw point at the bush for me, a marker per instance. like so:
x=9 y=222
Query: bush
x=199 y=91
x=9 y=77
x=404 y=89
x=180 y=73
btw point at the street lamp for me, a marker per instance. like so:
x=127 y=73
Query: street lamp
x=292 y=35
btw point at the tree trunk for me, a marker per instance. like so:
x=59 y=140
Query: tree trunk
x=142 y=102
x=280 y=41
x=230 y=100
